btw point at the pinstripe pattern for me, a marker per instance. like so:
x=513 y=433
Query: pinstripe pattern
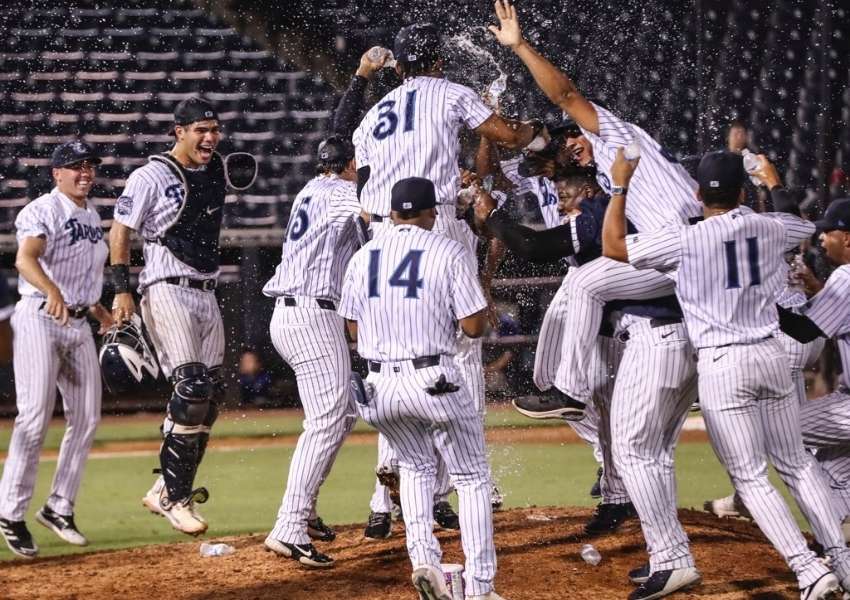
x=320 y=240
x=656 y=385
x=660 y=191
x=542 y=188
x=312 y=342
x=184 y=324
x=723 y=303
x=428 y=114
x=149 y=206
x=74 y=253
x=830 y=310
x=751 y=415
x=48 y=356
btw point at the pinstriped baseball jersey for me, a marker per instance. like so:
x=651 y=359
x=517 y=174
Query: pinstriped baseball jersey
x=406 y=290
x=728 y=271
x=413 y=132
x=320 y=240
x=660 y=191
x=75 y=252
x=542 y=188
x=150 y=204
x=830 y=310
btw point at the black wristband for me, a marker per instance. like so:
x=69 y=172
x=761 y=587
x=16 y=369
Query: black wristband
x=119 y=275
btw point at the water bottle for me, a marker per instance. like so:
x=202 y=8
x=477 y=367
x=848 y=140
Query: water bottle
x=498 y=87
x=632 y=150
x=751 y=165
x=590 y=555
x=376 y=53
x=216 y=549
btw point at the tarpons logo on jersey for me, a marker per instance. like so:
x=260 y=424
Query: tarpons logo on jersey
x=174 y=192
x=603 y=181
x=81 y=231
x=124 y=205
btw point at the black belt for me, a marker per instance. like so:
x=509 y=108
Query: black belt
x=377 y=218
x=418 y=363
x=326 y=304
x=207 y=285
x=663 y=322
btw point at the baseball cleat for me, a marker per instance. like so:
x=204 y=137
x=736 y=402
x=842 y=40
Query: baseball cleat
x=664 y=583
x=18 y=538
x=379 y=526
x=497 y=499
x=445 y=516
x=306 y=554
x=825 y=588
x=608 y=517
x=317 y=530
x=552 y=405
x=639 y=574
x=430 y=583
x=729 y=507
x=182 y=515
x=62 y=525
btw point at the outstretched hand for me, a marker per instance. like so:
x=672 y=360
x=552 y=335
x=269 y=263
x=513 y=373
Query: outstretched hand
x=508 y=33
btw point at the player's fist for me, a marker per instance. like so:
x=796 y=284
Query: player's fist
x=508 y=33
x=623 y=169
x=55 y=306
x=767 y=173
x=123 y=307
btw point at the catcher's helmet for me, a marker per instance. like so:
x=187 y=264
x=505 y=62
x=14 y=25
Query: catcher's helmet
x=126 y=359
x=335 y=152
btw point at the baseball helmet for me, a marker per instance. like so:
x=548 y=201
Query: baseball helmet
x=126 y=359
x=335 y=152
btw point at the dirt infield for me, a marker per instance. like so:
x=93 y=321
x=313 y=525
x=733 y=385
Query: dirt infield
x=538 y=552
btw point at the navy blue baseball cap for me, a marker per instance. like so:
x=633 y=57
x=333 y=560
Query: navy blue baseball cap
x=418 y=42
x=413 y=193
x=194 y=109
x=836 y=217
x=721 y=170
x=335 y=149
x=73 y=152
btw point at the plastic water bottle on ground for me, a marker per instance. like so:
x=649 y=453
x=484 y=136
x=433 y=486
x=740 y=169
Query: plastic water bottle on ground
x=590 y=555
x=751 y=165
x=216 y=549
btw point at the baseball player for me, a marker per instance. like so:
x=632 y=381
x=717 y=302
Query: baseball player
x=403 y=295
x=61 y=254
x=413 y=132
x=310 y=336
x=728 y=275
x=7 y=307
x=175 y=202
x=662 y=191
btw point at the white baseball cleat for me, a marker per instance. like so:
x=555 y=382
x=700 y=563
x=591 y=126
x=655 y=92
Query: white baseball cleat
x=825 y=588
x=182 y=515
x=430 y=583
x=729 y=507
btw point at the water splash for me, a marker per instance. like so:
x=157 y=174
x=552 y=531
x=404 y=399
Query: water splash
x=469 y=62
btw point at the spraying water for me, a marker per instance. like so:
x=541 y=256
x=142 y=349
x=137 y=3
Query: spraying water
x=471 y=64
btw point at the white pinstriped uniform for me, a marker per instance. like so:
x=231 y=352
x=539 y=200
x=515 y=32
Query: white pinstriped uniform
x=406 y=290
x=320 y=240
x=826 y=421
x=540 y=187
x=48 y=355
x=661 y=191
x=184 y=324
x=728 y=276
x=801 y=356
x=413 y=132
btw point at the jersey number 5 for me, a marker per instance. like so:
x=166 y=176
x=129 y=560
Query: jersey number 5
x=388 y=119
x=299 y=222
x=732 y=278
x=406 y=274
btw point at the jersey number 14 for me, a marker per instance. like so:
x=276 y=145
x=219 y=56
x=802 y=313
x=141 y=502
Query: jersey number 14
x=406 y=274
x=388 y=118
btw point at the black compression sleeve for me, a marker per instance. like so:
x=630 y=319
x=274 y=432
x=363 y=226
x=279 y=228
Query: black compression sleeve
x=350 y=108
x=783 y=202
x=362 y=177
x=536 y=246
x=799 y=327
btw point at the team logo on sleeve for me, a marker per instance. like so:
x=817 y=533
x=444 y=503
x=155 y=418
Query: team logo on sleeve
x=124 y=205
x=604 y=182
x=82 y=231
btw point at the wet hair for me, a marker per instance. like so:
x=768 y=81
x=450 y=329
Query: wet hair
x=576 y=175
x=417 y=68
x=720 y=197
x=408 y=215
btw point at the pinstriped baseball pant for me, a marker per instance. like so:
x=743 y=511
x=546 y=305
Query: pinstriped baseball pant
x=48 y=356
x=312 y=341
x=825 y=423
x=420 y=426
x=588 y=288
x=656 y=385
x=752 y=417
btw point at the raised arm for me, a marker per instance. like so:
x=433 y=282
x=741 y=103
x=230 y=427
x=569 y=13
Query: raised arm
x=349 y=111
x=559 y=88
x=615 y=227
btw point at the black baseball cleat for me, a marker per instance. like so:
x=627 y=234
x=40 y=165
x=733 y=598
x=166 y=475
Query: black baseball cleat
x=608 y=517
x=640 y=574
x=596 y=488
x=445 y=516
x=317 y=530
x=61 y=525
x=18 y=538
x=664 y=583
x=306 y=554
x=552 y=405
x=379 y=526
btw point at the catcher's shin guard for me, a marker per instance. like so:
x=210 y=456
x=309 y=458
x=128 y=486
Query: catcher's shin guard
x=179 y=457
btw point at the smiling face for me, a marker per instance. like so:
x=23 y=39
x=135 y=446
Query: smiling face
x=196 y=142
x=580 y=150
x=570 y=195
x=75 y=180
x=836 y=246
